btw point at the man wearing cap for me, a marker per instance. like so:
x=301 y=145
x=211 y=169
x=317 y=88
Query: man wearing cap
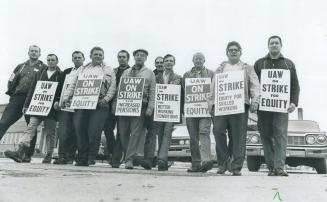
x=18 y=87
x=151 y=136
x=236 y=124
x=131 y=128
x=199 y=127
x=273 y=125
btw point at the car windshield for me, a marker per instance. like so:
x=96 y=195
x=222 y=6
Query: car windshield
x=180 y=131
x=303 y=126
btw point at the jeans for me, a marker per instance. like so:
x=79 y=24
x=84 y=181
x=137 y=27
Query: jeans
x=273 y=132
x=49 y=130
x=11 y=114
x=165 y=130
x=89 y=125
x=236 y=125
x=108 y=130
x=199 y=131
x=132 y=135
x=66 y=134
x=150 y=138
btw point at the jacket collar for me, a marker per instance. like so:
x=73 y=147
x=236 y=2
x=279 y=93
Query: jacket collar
x=123 y=67
x=39 y=62
x=268 y=56
x=194 y=69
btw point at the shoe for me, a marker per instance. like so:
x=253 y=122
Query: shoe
x=271 y=172
x=194 y=169
x=115 y=165
x=60 y=161
x=236 y=173
x=162 y=165
x=47 y=158
x=129 y=164
x=109 y=159
x=27 y=159
x=81 y=163
x=91 y=162
x=146 y=163
x=229 y=166
x=206 y=165
x=221 y=170
x=69 y=161
x=280 y=172
x=154 y=162
x=18 y=155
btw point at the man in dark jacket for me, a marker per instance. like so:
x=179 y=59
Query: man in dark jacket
x=165 y=129
x=52 y=73
x=66 y=132
x=114 y=145
x=273 y=125
x=158 y=63
x=18 y=86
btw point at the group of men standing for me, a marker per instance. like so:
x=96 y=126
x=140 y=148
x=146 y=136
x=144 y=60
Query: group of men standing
x=135 y=140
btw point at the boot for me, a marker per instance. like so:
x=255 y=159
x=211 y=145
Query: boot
x=26 y=159
x=18 y=155
x=47 y=158
x=196 y=167
x=206 y=165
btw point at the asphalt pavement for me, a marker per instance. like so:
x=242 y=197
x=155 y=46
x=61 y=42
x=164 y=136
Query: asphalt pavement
x=100 y=183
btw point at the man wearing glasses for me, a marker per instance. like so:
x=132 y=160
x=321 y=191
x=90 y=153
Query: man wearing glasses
x=231 y=157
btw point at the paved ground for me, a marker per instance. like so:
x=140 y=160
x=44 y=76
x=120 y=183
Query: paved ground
x=101 y=183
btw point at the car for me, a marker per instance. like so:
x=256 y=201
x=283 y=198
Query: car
x=180 y=144
x=306 y=145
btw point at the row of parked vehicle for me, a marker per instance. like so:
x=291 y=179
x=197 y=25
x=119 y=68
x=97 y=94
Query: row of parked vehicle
x=307 y=145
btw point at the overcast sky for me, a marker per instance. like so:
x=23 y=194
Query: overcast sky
x=179 y=27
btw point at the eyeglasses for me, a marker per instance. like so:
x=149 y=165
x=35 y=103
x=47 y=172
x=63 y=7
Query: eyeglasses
x=233 y=50
x=51 y=60
x=159 y=62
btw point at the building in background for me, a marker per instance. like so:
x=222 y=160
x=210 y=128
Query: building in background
x=11 y=139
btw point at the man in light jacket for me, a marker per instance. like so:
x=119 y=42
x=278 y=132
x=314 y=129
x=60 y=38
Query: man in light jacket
x=132 y=128
x=236 y=124
x=89 y=123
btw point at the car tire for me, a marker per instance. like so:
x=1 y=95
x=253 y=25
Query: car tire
x=254 y=163
x=321 y=166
